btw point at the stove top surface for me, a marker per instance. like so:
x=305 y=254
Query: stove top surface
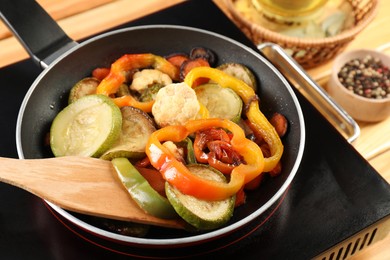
x=334 y=195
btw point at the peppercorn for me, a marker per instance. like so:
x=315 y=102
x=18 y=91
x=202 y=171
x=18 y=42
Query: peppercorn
x=367 y=77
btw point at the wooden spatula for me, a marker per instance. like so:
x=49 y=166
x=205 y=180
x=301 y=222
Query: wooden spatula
x=80 y=184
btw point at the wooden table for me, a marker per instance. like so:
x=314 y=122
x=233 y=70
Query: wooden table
x=81 y=18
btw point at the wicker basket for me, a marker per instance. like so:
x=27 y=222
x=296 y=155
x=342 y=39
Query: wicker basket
x=312 y=52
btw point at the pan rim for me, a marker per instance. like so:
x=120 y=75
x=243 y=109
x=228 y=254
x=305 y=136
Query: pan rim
x=182 y=240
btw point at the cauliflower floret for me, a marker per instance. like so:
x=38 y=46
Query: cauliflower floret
x=175 y=104
x=147 y=77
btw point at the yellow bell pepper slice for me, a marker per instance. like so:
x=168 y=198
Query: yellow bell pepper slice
x=252 y=110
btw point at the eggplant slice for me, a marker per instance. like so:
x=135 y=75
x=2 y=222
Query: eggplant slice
x=137 y=126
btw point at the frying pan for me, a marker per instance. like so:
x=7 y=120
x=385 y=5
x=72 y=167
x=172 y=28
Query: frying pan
x=65 y=62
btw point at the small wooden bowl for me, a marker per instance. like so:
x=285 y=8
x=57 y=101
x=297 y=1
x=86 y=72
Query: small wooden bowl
x=360 y=108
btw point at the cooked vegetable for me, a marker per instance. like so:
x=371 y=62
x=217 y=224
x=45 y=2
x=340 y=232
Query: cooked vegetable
x=189 y=150
x=203 y=53
x=175 y=104
x=128 y=62
x=146 y=78
x=129 y=100
x=86 y=86
x=241 y=72
x=252 y=110
x=154 y=178
x=280 y=123
x=212 y=146
x=188 y=65
x=100 y=73
x=188 y=155
x=123 y=90
x=137 y=126
x=240 y=198
x=276 y=170
x=202 y=214
x=220 y=102
x=150 y=93
x=177 y=59
x=140 y=190
x=176 y=151
x=86 y=127
x=203 y=112
x=178 y=175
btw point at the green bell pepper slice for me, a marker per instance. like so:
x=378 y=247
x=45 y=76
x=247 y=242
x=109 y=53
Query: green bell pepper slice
x=141 y=192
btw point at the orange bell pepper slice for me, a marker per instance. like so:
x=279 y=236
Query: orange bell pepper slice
x=110 y=84
x=178 y=175
x=129 y=100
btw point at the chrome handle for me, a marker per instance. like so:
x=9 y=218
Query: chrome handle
x=311 y=90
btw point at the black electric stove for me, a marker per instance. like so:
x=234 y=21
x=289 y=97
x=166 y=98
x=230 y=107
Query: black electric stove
x=336 y=205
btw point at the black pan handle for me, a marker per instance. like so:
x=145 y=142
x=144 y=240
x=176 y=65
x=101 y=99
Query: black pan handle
x=39 y=34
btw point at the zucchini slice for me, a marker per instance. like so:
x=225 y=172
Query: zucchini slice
x=86 y=86
x=220 y=102
x=137 y=126
x=241 y=72
x=86 y=127
x=202 y=214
